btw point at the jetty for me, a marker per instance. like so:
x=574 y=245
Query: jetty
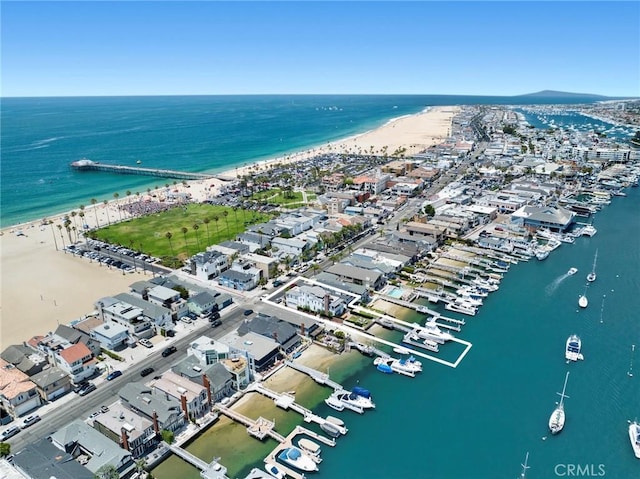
x=88 y=165
x=317 y=376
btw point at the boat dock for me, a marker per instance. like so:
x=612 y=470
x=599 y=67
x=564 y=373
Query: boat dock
x=287 y=401
x=288 y=442
x=317 y=376
x=213 y=470
x=428 y=344
x=260 y=428
x=88 y=165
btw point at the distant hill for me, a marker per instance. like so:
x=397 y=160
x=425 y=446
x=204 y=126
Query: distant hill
x=562 y=94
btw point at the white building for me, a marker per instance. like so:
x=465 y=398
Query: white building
x=316 y=299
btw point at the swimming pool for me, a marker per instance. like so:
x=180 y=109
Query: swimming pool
x=396 y=293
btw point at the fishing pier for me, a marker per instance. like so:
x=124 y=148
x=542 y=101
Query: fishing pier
x=88 y=165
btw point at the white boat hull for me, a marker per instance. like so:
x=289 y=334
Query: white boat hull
x=634 y=437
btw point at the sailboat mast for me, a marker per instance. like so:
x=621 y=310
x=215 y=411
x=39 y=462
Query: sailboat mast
x=564 y=388
x=525 y=467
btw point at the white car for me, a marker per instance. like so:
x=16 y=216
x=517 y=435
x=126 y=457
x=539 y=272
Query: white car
x=30 y=420
x=146 y=343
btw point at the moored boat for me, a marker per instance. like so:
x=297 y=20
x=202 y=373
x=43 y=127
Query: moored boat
x=573 y=347
x=309 y=447
x=634 y=437
x=334 y=403
x=331 y=429
x=294 y=457
x=274 y=470
x=557 y=419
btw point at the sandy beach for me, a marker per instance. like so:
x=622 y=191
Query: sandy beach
x=43 y=287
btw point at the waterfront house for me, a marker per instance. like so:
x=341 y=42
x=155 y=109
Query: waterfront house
x=75 y=336
x=534 y=217
x=352 y=274
x=92 y=449
x=207 y=352
x=162 y=410
x=77 y=361
x=43 y=460
x=52 y=383
x=111 y=335
x=112 y=310
x=192 y=397
x=18 y=393
x=132 y=432
x=28 y=360
x=213 y=377
x=157 y=317
x=260 y=352
x=334 y=281
x=277 y=329
x=315 y=299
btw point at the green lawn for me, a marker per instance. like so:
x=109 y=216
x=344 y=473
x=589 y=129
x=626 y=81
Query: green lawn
x=276 y=196
x=149 y=233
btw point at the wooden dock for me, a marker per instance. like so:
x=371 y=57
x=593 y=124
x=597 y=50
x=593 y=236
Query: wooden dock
x=317 y=376
x=288 y=442
x=260 y=428
x=213 y=470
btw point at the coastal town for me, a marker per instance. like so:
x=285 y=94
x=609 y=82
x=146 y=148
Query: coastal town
x=336 y=242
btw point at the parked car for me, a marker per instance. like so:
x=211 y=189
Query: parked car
x=79 y=387
x=168 y=351
x=12 y=431
x=114 y=374
x=30 y=420
x=186 y=319
x=248 y=312
x=94 y=414
x=146 y=372
x=104 y=409
x=87 y=389
x=146 y=343
x=214 y=316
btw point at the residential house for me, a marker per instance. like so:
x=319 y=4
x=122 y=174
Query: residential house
x=431 y=233
x=368 y=278
x=209 y=264
x=26 y=359
x=254 y=240
x=316 y=299
x=77 y=361
x=192 y=397
x=207 y=351
x=289 y=247
x=170 y=299
x=111 y=335
x=131 y=431
x=123 y=313
x=18 y=393
x=266 y=264
x=43 y=460
x=202 y=303
x=282 y=332
x=163 y=410
x=75 y=336
x=237 y=280
x=92 y=449
x=260 y=352
x=157 y=315
x=52 y=383
x=213 y=377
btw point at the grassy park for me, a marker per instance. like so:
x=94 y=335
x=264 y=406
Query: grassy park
x=180 y=232
x=284 y=198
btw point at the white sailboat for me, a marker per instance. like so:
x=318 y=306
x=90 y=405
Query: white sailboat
x=583 y=302
x=557 y=419
x=592 y=276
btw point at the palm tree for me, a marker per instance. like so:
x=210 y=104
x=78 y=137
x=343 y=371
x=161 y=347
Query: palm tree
x=73 y=217
x=235 y=214
x=168 y=235
x=106 y=204
x=61 y=235
x=184 y=233
x=93 y=202
x=55 y=242
x=196 y=228
x=225 y=213
x=81 y=215
x=128 y=193
x=216 y=218
x=206 y=221
x=116 y=196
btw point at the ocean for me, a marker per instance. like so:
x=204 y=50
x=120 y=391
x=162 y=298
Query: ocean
x=474 y=422
x=40 y=137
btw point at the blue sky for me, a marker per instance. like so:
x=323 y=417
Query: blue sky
x=483 y=48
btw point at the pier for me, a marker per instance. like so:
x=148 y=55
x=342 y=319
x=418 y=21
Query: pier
x=214 y=470
x=260 y=428
x=317 y=376
x=88 y=165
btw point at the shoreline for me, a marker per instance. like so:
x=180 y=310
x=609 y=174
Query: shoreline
x=48 y=287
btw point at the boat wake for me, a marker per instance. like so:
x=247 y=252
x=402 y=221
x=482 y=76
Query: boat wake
x=551 y=288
